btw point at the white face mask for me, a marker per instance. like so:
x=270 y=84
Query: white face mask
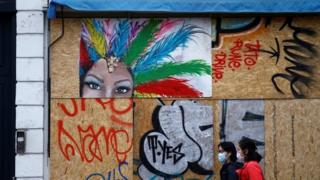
x=240 y=158
x=222 y=157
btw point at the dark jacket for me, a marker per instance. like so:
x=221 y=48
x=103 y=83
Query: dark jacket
x=228 y=171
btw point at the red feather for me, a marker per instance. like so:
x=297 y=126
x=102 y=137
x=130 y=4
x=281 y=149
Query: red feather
x=170 y=87
x=85 y=61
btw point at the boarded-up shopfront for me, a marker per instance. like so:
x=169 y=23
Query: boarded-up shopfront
x=151 y=98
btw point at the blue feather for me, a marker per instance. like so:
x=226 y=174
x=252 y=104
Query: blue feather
x=98 y=25
x=92 y=52
x=82 y=71
x=162 y=48
x=94 y=56
x=120 y=41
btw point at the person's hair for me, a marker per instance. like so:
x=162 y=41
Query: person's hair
x=248 y=144
x=230 y=148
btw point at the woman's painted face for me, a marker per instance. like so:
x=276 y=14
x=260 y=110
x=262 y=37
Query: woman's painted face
x=100 y=83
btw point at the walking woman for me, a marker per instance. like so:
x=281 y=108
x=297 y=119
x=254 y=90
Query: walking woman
x=228 y=157
x=251 y=169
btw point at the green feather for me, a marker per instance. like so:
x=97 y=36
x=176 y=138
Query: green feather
x=141 y=42
x=97 y=38
x=193 y=67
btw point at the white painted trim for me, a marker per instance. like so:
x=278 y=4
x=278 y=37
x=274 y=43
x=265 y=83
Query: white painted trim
x=46 y=164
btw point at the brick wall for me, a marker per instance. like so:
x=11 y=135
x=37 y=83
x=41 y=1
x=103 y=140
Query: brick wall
x=31 y=89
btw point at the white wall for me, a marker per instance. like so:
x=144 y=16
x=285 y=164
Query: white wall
x=31 y=89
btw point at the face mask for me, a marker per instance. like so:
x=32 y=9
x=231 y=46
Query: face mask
x=222 y=157
x=240 y=158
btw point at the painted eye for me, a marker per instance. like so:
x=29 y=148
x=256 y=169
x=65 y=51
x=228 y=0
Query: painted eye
x=122 y=90
x=93 y=85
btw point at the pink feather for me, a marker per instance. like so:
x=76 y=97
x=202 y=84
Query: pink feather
x=109 y=29
x=166 y=26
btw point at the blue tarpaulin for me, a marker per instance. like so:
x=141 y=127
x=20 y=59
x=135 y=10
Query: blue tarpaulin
x=190 y=6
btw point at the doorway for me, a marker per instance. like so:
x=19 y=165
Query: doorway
x=7 y=93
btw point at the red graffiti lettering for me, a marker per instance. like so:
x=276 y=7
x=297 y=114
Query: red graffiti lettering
x=88 y=144
x=251 y=54
x=241 y=52
x=219 y=65
x=111 y=103
x=75 y=107
x=235 y=55
x=121 y=122
x=67 y=112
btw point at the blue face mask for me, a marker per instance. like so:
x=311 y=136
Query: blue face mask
x=222 y=157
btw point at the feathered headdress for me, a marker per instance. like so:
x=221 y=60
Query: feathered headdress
x=145 y=46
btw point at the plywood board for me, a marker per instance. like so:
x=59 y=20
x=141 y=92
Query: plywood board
x=91 y=139
x=103 y=57
x=292 y=151
x=184 y=128
x=243 y=118
x=268 y=57
x=252 y=58
x=64 y=55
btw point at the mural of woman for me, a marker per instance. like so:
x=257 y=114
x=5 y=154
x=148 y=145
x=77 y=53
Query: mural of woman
x=100 y=81
x=125 y=57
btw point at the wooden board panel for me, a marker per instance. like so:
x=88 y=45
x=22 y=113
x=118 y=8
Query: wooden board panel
x=291 y=130
x=291 y=145
x=252 y=58
x=266 y=58
x=114 y=57
x=163 y=122
x=243 y=118
x=91 y=139
x=64 y=55
x=217 y=113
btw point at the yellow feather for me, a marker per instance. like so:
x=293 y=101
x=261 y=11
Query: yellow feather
x=144 y=95
x=97 y=38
